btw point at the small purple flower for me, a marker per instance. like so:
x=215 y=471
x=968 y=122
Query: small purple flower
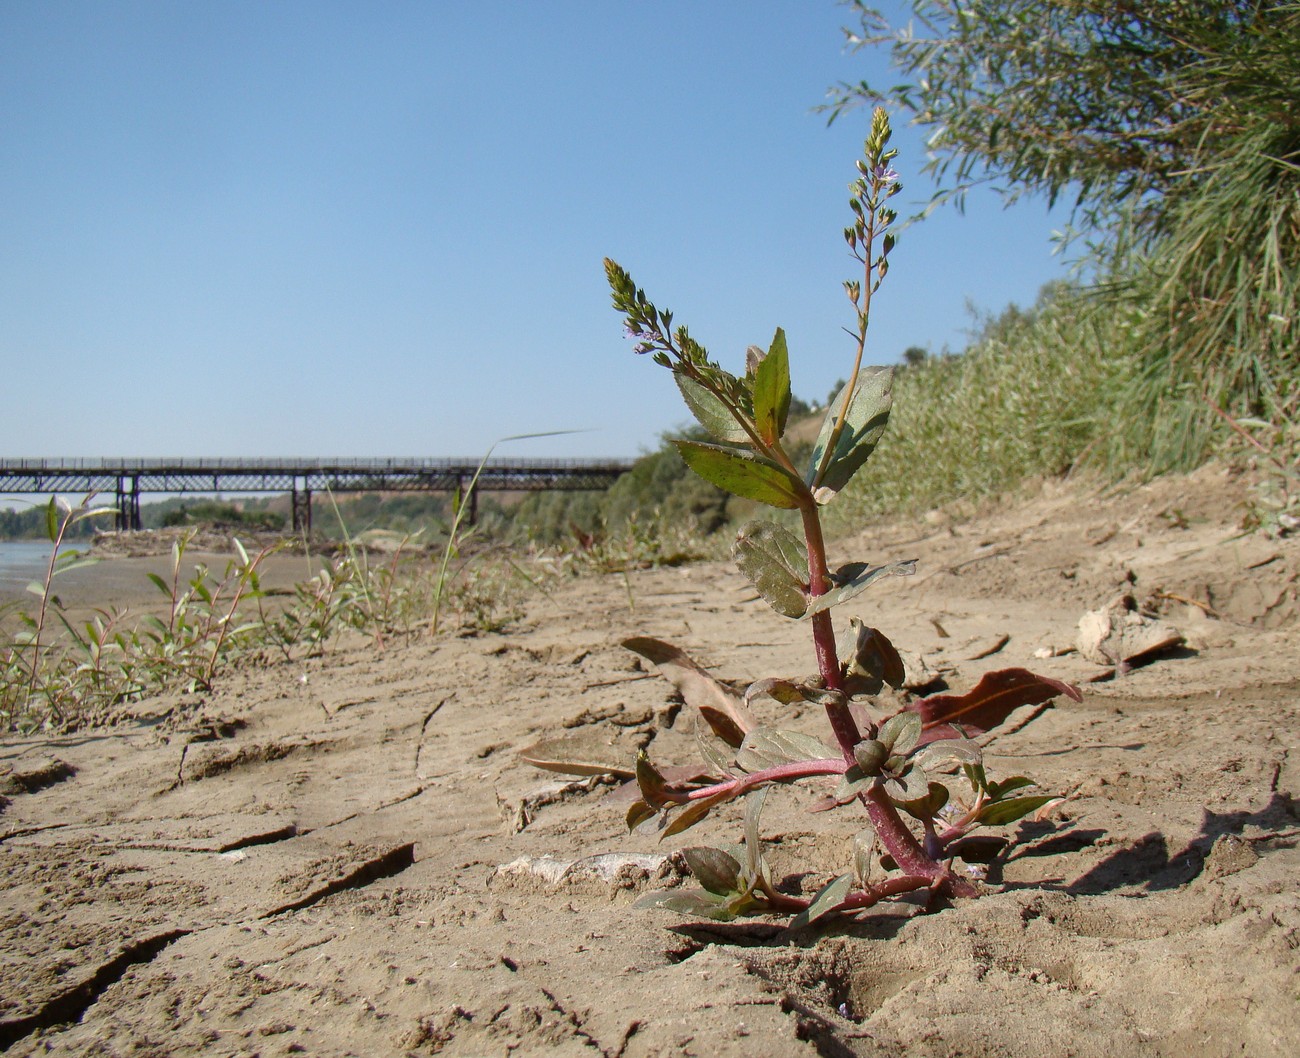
x=644 y=342
x=884 y=173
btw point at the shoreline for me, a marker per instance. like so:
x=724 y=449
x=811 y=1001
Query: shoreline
x=122 y=581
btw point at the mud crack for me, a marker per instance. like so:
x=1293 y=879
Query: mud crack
x=70 y=1005
x=387 y=864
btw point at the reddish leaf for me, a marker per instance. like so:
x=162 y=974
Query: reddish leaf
x=988 y=703
x=722 y=708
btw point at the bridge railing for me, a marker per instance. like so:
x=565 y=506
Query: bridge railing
x=202 y=465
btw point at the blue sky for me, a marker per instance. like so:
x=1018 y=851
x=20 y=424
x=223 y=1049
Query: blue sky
x=370 y=229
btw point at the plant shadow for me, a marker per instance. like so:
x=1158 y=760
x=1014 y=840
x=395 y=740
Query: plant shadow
x=1149 y=864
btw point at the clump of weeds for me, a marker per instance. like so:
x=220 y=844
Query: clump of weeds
x=38 y=680
x=902 y=769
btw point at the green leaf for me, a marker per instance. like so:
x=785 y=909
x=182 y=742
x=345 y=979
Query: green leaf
x=855 y=781
x=689 y=902
x=653 y=787
x=36 y=588
x=869 y=660
x=52 y=520
x=858 y=577
x=753 y=844
x=868 y=413
x=870 y=755
x=694 y=812
x=999 y=790
x=742 y=475
x=928 y=805
x=828 y=898
x=864 y=849
x=1001 y=812
x=901 y=732
x=711 y=749
x=710 y=412
x=772 y=390
x=717 y=871
x=949 y=751
x=766 y=747
x=638 y=814
x=909 y=786
x=776 y=563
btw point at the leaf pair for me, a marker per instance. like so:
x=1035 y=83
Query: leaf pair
x=776 y=563
x=731 y=887
x=852 y=428
x=1000 y=809
x=767 y=384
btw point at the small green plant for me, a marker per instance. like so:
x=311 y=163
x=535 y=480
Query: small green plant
x=32 y=671
x=205 y=627
x=895 y=766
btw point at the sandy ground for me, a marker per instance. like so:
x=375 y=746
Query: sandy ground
x=347 y=857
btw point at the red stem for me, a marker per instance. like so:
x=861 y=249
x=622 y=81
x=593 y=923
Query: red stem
x=894 y=834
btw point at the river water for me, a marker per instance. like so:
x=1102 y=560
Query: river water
x=22 y=561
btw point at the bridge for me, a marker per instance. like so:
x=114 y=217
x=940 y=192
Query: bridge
x=128 y=479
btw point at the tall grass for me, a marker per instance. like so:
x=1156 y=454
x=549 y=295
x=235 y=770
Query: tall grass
x=1032 y=395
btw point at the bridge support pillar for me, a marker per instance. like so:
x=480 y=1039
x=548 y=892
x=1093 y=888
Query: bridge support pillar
x=301 y=501
x=128 y=504
x=471 y=515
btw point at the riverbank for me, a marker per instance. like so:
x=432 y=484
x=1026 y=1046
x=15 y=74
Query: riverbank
x=346 y=855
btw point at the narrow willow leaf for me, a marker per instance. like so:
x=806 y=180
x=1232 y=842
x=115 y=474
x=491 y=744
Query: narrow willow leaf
x=76 y=561
x=859 y=580
x=863 y=426
x=52 y=520
x=742 y=475
x=1001 y=812
x=717 y=871
x=772 y=390
x=710 y=412
x=828 y=898
x=766 y=747
x=776 y=563
x=36 y=588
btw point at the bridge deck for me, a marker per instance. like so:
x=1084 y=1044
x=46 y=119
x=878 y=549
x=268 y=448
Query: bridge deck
x=128 y=479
